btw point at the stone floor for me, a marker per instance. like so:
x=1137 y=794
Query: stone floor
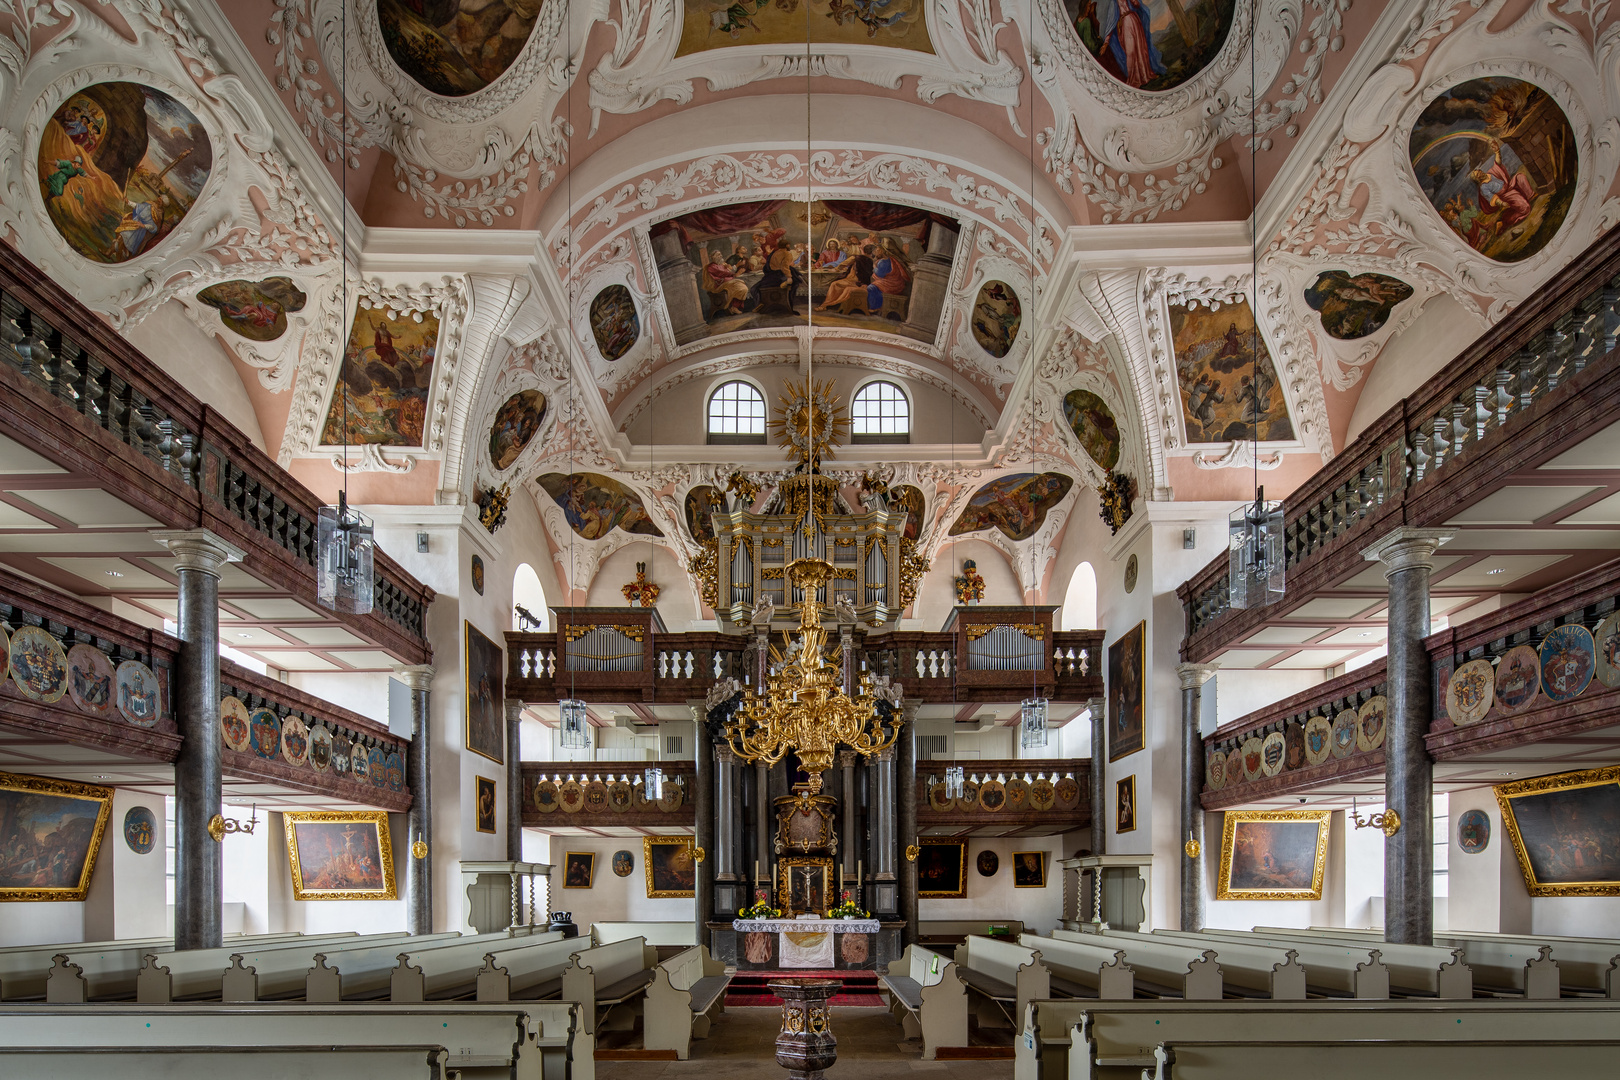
x=742 y=1043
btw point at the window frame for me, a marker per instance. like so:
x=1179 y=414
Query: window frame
x=880 y=437
x=735 y=438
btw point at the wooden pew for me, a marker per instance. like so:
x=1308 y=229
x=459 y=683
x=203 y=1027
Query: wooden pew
x=146 y=1062
x=937 y=932
x=448 y=971
x=1414 y=970
x=231 y=973
x=1483 y=1060
x=528 y=974
x=24 y=968
x=1153 y=965
x=529 y=1042
x=1333 y=968
x=1247 y=970
x=929 y=997
x=603 y=977
x=687 y=992
x=683 y=934
x=1005 y=974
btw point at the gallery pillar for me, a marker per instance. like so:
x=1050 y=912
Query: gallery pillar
x=847 y=849
x=906 y=790
x=1099 y=775
x=514 y=780
x=703 y=825
x=1408 y=558
x=884 y=900
x=418 y=679
x=1193 y=678
x=728 y=888
x=198 y=787
x=762 y=826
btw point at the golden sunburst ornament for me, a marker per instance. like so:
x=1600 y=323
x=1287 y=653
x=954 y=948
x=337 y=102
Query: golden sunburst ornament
x=809 y=421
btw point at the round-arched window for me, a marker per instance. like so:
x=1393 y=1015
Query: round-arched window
x=880 y=413
x=736 y=414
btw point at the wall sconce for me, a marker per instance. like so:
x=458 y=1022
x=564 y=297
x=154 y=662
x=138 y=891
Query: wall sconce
x=1389 y=821
x=219 y=825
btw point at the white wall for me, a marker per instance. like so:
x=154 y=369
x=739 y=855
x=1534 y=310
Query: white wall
x=173 y=343
x=610 y=898
x=1486 y=889
x=992 y=898
x=1412 y=357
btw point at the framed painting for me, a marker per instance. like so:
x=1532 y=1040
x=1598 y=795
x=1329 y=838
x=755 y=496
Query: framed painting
x=805 y=886
x=1125 y=805
x=671 y=870
x=1566 y=831
x=579 y=869
x=484 y=810
x=486 y=694
x=1126 y=679
x=1029 y=869
x=942 y=868
x=340 y=855
x=50 y=832
x=1273 y=854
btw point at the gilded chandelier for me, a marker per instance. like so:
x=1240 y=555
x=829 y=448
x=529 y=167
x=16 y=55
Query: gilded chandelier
x=804 y=708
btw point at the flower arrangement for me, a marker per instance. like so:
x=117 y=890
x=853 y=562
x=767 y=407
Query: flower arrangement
x=760 y=908
x=846 y=909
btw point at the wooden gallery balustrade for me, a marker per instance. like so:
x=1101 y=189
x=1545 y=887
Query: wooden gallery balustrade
x=98 y=681
x=77 y=392
x=985 y=654
x=1545 y=377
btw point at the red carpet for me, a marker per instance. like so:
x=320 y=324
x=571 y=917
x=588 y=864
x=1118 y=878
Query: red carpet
x=750 y=988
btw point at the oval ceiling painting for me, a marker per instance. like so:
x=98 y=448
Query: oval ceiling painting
x=702 y=502
x=1152 y=44
x=119 y=166
x=256 y=310
x=595 y=505
x=1496 y=158
x=614 y=321
x=1094 y=425
x=515 y=424
x=1355 y=306
x=996 y=316
x=455 y=47
x=1016 y=504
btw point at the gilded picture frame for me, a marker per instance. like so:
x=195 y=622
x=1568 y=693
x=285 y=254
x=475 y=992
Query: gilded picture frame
x=1127 y=689
x=1029 y=869
x=40 y=807
x=486 y=695
x=1125 y=804
x=340 y=855
x=804 y=885
x=1544 y=817
x=579 y=869
x=942 y=868
x=671 y=871
x=1273 y=854
x=483 y=804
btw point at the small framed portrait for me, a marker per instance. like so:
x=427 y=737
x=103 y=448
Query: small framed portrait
x=579 y=869
x=1564 y=831
x=1029 y=869
x=1273 y=854
x=942 y=868
x=340 y=855
x=50 y=832
x=671 y=870
x=484 y=812
x=1125 y=805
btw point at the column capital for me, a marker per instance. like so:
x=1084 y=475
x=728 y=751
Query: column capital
x=416 y=676
x=724 y=754
x=909 y=708
x=1406 y=548
x=514 y=708
x=198 y=549
x=1097 y=705
x=1195 y=675
x=886 y=754
x=846 y=759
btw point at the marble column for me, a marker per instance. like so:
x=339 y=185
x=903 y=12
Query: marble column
x=884 y=900
x=727 y=832
x=418 y=679
x=905 y=766
x=1193 y=678
x=703 y=831
x=762 y=825
x=514 y=780
x=1099 y=775
x=198 y=785
x=1408 y=558
x=847 y=848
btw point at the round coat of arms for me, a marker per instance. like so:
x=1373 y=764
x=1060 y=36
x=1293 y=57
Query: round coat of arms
x=671 y=798
x=1253 y=761
x=1215 y=771
x=320 y=747
x=38 y=664
x=1471 y=692
x=619 y=799
x=295 y=741
x=1370 y=723
x=140 y=830
x=1272 y=751
x=1568 y=659
x=1017 y=794
x=1294 y=742
x=377 y=766
x=1130 y=574
x=596 y=797
x=1606 y=642
x=1067 y=791
x=938 y=800
x=1318 y=739
x=571 y=797
x=969 y=799
x=992 y=796
x=341 y=746
x=1518 y=677
x=1041 y=794
x=137 y=693
x=266 y=733
x=624 y=863
x=1473 y=831
x=1344 y=734
x=90 y=679
x=234 y=726
x=545 y=797
x=359 y=761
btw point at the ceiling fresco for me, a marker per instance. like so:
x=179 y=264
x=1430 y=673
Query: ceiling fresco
x=719 y=24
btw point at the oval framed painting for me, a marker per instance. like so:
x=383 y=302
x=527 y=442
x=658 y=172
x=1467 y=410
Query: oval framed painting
x=1094 y=424
x=140 y=830
x=996 y=317
x=454 y=48
x=120 y=166
x=1518 y=677
x=988 y=863
x=256 y=310
x=137 y=693
x=614 y=322
x=90 y=679
x=624 y=863
x=1473 y=831
x=515 y=423
x=1152 y=45
x=1568 y=659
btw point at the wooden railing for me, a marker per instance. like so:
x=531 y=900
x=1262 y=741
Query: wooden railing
x=73 y=385
x=1521 y=380
x=602 y=794
x=1028 y=793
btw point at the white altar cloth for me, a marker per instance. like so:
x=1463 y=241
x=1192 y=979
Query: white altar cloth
x=806 y=943
x=809 y=926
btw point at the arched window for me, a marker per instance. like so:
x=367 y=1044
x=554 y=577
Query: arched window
x=1080 y=602
x=529 y=595
x=880 y=413
x=736 y=414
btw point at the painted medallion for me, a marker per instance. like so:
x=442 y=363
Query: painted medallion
x=455 y=47
x=1272 y=751
x=320 y=747
x=1253 y=759
x=624 y=863
x=1606 y=646
x=614 y=322
x=1016 y=504
x=987 y=863
x=1473 y=831
x=381 y=398
x=1471 y=692
x=1568 y=659
x=571 y=796
x=969 y=799
x=341 y=747
x=596 y=797
x=545 y=797
x=396 y=770
x=138 y=698
x=996 y=318
x=702 y=502
x=140 y=830
x=359 y=762
x=1215 y=771
x=377 y=766
x=717 y=24
x=266 y=733
x=1356 y=306
x=5 y=654
x=1017 y=794
x=515 y=423
x=938 y=800
x=1345 y=727
x=992 y=796
x=1041 y=794
x=1370 y=723
x=235 y=727
x=38 y=664
x=1294 y=742
x=120 y=165
x=1518 y=677
x=1318 y=739
x=1151 y=44
x=1093 y=423
x=295 y=741
x=90 y=679
x=619 y=797
x=1498 y=161
x=256 y=310
x=1067 y=791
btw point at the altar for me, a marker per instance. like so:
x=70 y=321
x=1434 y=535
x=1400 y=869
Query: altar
x=813 y=944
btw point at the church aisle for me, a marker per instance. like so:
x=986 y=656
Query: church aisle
x=743 y=1043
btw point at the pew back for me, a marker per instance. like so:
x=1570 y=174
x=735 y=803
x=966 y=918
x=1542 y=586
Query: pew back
x=1424 y=970
x=1173 y=968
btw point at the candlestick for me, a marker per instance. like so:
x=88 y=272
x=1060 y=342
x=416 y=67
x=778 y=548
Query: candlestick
x=840 y=881
x=860 y=876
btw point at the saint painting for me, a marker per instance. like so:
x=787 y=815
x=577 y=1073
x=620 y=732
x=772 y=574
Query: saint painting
x=595 y=505
x=382 y=395
x=1497 y=159
x=1093 y=423
x=1273 y=854
x=515 y=424
x=455 y=47
x=910 y=499
x=1127 y=677
x=50 y=832
x=1152 y=44
x=614 y=322
x=1354 y=307
x=486 y=676
x=340 y=855
x=718 y=24
x=256 y=310
x=1228 y=382
x=702 y=502
x=120 y=164
x=1016 y=504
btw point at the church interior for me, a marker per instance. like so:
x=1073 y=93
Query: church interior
x=554 y=538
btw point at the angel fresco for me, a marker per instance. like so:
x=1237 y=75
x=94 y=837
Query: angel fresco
x=120 y=165
x=455 y=47
x=1016 y=504
x=1354 y=307
x=1152 y=44
x=382 y=395
x=595 y=505
x=717 y=24
x=1497 y=160
x=614 y=322
x=1228 y=381
x=1094 y=425
x=515 y=423
x=256 y=310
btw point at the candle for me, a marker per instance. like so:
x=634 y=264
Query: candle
x=756 y=873
x=840 y=881
x=860 y=876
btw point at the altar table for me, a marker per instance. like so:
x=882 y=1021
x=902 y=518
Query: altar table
x=813 y=944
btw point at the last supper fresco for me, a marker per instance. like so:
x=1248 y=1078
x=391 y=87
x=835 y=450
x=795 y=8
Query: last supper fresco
x=772 y=262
